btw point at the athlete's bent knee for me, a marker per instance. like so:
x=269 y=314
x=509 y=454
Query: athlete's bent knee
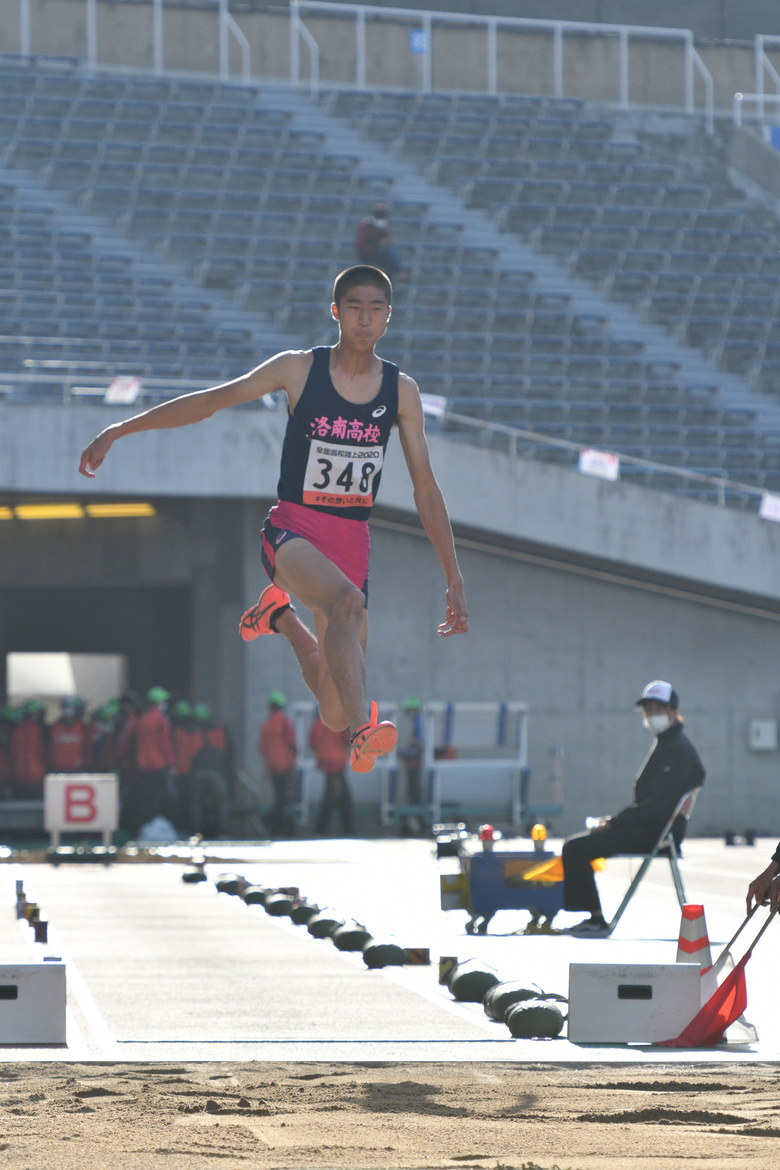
x=349 y=605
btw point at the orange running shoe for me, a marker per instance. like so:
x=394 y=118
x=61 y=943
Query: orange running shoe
x=260 y=618
x=371 y=740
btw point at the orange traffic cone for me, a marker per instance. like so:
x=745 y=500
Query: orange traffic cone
x=693 y=945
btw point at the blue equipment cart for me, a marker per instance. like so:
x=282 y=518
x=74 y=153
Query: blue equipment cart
x=493 y=880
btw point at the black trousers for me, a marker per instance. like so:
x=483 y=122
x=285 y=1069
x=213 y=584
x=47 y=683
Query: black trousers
x=336 y=797
x=279 y=819
x=579 y=881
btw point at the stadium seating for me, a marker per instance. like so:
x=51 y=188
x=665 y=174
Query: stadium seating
x=229 y=198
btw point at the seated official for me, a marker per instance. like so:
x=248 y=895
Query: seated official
x=672 y=768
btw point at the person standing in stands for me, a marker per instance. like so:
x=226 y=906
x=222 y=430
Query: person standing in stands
x=276 y=744
x=331 y=749
x=30 y=751
x=70 y=738
x=343 y=402
x=670 y=770
x=374 y=243
x=152 y=792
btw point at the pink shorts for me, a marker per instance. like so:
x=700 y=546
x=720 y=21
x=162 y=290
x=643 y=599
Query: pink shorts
x=344 y=542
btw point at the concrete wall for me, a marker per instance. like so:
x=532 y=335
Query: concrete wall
x=525 y=58
x=580 y=592
x=712 y=19
x=577 y=648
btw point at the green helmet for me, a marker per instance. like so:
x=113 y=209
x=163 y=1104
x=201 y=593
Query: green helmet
x=11 y=714
x=201 y=712
x=277 y=699
x=157 y=695
x=182 y=709
x=411 y=703
x=33 y=707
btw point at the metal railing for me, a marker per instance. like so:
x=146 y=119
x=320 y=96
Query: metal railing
x=228 y=28
x=763 y=67
x=425 y=22
x=516 y=436
x=80 y=387
x=758 y=100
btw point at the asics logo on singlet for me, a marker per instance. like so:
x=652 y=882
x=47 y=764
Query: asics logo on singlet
x=380 y=410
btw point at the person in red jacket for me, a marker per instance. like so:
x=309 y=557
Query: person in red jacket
x=70 y=738
x=152 y=791
x=331 y=749
x=187 y=742
x=210 y=805
x=276 y=744
x=29 y=752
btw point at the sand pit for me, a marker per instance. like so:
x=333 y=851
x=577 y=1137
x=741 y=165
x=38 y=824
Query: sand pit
x=367 y=1116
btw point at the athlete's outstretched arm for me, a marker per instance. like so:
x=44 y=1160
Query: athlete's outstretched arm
x=278 y=373
x=429 y=500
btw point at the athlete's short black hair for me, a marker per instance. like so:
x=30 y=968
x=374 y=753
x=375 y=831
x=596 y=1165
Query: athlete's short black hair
x=361 y=274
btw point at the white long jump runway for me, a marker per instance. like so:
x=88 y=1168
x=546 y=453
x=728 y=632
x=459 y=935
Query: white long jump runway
x=159 y=970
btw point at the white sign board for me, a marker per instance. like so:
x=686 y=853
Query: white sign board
x=434 y=405
x=123 y=390
x=85 y=802
x=769 y=508
x=602 y=464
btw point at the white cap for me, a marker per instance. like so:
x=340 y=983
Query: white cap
x=660 y=692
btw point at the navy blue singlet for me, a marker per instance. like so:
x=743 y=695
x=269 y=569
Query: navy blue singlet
x=334 y=449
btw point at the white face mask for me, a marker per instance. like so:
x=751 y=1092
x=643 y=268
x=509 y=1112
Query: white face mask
x=657 y=723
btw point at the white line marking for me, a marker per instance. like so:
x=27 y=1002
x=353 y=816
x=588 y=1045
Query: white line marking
x=101 y=1033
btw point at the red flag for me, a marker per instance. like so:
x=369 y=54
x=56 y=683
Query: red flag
x=725 y=1006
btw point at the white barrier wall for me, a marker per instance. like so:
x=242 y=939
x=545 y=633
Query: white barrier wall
x=32 y=1003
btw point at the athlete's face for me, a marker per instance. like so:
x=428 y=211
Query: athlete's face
x=362 y=314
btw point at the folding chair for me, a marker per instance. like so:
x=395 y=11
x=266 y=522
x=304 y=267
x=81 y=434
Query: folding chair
x=665 y=846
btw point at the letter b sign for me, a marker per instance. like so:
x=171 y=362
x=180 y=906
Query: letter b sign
x=82 y=803
x=80 y=806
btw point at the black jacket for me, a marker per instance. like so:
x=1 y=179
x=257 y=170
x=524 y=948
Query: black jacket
x=672 y=768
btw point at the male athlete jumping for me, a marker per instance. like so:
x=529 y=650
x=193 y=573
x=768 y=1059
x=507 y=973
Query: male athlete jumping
x=343 y=402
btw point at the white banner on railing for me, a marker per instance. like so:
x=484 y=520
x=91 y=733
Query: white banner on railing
x=602 y=464
x=769 y=508
x=434 y=405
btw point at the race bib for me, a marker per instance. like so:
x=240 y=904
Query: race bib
x=341 y=477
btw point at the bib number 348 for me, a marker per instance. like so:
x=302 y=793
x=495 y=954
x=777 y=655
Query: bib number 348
x=341 y=477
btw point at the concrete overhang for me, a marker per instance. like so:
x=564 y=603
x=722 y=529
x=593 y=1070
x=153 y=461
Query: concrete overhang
x=235 y=454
